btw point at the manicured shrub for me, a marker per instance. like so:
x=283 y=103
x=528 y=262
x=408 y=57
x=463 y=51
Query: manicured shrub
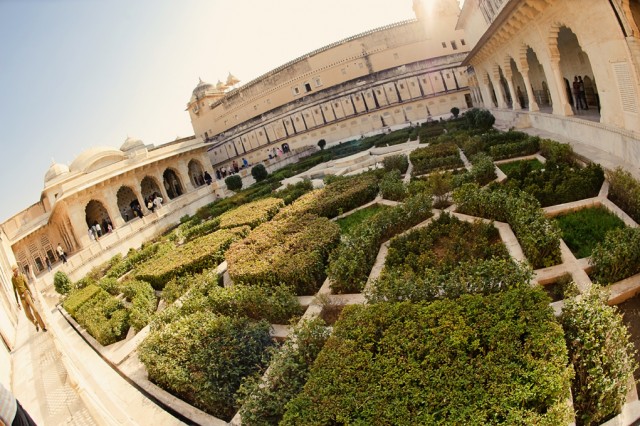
x=479 y=119
x=143 y=302
x=350 y=263
x=259 y=172
x=617 y=257
x=624 y=191
x=202 y=358
x=263 y=398
x=178 y=286
x=110 y=285
x=294 y=191
x=435 y=157
x=538 y=236
x=482 y=171
x=392 y=187
x=396 y=162
x=455 y=111
x=201 y=229
x=135 y=257
x=78 y=297
x=192 y=257
x=322 y=143
x=104 y=317
x=251 y=214
x=289 y=249
x=601 y=354
x=233 y=182
x=498 y=359
x=348 y=223
x=61 y=282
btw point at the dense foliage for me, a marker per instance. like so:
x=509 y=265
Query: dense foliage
x=617 y=257
x=396 y=162
x=201 y=229
x=289 y=249
x=538 y=236
x=583 y=229
x=435 y=157
x=61 y=282
x=263 y=398
x=351 y=221
x=259 y=172
x=391 y=186
x=233 y=182
x=479 y=119
x=143 y=302
x=477 y=360
x=194 y=256
x=624 y=191
x=203 y=357
x=251 y=214
x=294 y=191
x=350 y=263
x=601 y=354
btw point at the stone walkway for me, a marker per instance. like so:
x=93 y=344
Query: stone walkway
x=40 y=381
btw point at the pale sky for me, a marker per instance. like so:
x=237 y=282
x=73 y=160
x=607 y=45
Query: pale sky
x=81 y=73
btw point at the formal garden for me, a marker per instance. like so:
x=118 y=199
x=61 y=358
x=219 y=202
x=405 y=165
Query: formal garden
x=470 y=282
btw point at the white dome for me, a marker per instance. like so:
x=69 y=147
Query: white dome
x=131 y=144
x=96 y=158
x=54 y=171
x=201 y=88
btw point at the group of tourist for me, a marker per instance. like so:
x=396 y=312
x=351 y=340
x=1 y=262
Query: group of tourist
x=202 y=179
x=154 y=201
x=97 y=230
x=225 y=171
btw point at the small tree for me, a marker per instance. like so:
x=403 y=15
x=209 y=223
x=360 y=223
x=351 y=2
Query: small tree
x=322 y=143
x=259 y=172
x=61 y=282
x=233 y=182
x=455 y=111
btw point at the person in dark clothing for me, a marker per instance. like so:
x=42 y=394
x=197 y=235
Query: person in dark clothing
x=207 y=178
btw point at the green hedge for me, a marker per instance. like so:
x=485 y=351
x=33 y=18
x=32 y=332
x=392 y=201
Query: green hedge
x=602 y=356
x=483 y=171
x=624 y=191
x=143 y=302
x=276 y=304
x=202 y=358
x=202 y=229
x=263 y=399
x=435 y=157
x=104 y=317
x=194 y=256
x=617 y=257
x=294 y=191
x=178 y=286
x=289 y=249
x=392 y=186
x=120 y=266
x=251 y=214
x=350 y=263
x=77 y=298
x=476 y=360
x=396 y=162
x=538 y=236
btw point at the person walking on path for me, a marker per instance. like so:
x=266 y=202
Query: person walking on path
x=61 y=253
x=11 y=412
x=20 y=288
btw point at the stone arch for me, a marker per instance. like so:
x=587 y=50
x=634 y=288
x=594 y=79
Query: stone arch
x=196 y=173
x=519 y=84
x=574 y=62
x=126 y=198
x=95 y=212
x=504 y=85
x=149 y=186
x=537 y=78
x=172 y=183
x=493 y=99
x=631 y=11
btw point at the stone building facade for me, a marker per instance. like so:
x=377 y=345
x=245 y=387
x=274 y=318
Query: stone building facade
x=394 y=75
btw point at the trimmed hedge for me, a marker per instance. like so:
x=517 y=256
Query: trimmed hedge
x=350 y=263
x=143 y=302
x=396 y=162
x=178 y=286
x=624 y=191
x=277 y=305
x=251 y=214
x=392 y=187
x=202 y=358
x=202 y=229
x=263 y=398
x=103 y=316
x=435 y=157
x=78 y=298
x=194 y=256
x=617 y=257
x=288 y=249
x=292 y=192
x=538 y=236
x=120 y=266
x=476 y=360
x=602 y=356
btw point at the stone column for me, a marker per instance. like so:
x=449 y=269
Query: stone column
x=561 y=105
x=497 y=86
x=533 y=104
x=79 y=224
x=110 y=203
x=515 y=102
x=183 y=167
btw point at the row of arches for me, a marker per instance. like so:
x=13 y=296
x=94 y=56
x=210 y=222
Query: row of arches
x=522 y=81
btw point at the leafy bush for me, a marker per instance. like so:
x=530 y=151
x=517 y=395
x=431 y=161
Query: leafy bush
x=259 y=172
x=601 y=354
x=202 y=358
x=583 y=229
x=348 y=223
x=201 y=229
x=263 y=398
x=178 y=286
x=392 y=187
x=475 y=360
x=294 y=191
x=396 y=162
x=143 y=302
x=110 y=285
x=102 y=315
x=435 y=157
x=322 y=143
x=289 y=249
x=538 y=236
x=78 y=297
x=61 y=282
x=617 y=257
x=251 y=214
x=624 y=191
x=482 y=171
x=479 y=119
x=455 y=111
x=194 y=256
x=233 y=182
x=350 y=263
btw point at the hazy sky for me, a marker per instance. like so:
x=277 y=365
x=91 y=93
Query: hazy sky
x=81 y=73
